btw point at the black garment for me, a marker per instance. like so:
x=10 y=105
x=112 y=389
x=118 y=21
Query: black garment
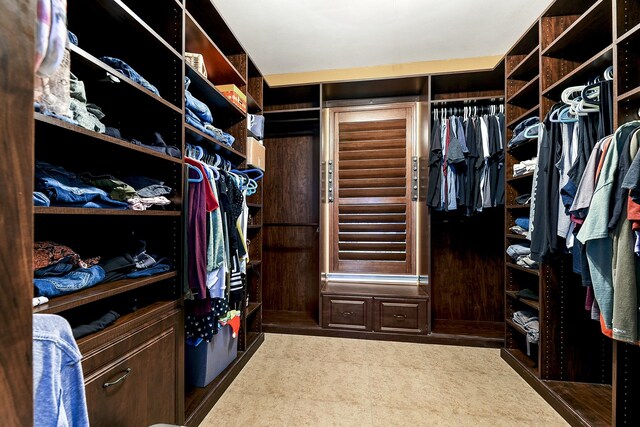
x=605 y=123
x=587 y=139
x=205 y=326
x=472 y=157
x=434 y=195
x=544 y=238
x=97 y=325
x=621 y=194
x=500 y=192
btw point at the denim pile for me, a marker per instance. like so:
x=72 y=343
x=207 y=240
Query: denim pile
x=198 y=115
x=56 y=186
x=528 y=320
x=153 y=142
x=59 y=270
x=129 y=72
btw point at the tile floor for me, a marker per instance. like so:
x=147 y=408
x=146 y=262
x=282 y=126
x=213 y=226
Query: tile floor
x=317 y=381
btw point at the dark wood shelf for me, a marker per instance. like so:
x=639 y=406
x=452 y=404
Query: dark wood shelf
x=632 y=32
x=531 y=303
x=595 y=65
x=516 y=236
x=515 y=326
x=61 y=210
x=99 y=292
x=220 y=70
x=90 y=61
x=592 y=403
x=527 y=95
x=631 y=95
x=254 y=263
x=100 y=137
x=214 y=146
x=254 y=205
x=583 y=36
x=527 y=68
x=535 y=272
x=224 y=112
x=119 y=10
x=520 y=177
x=529 y=113
x=527 y=206
x=469 y=100
x=252 y=308
x=529 y=39
x=254 y=227
x=200 y=400
x=253 y=105
x=291 y=321
x=292 y=110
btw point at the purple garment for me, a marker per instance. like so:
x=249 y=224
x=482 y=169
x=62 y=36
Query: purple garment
x=197 y=238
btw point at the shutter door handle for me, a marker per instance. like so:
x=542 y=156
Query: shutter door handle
x=126 y=374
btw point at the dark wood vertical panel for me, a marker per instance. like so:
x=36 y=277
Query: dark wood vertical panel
x=17 y=22
x=467 y=266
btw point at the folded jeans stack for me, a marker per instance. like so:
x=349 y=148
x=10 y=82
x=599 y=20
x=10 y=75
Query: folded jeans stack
x=528 y=320
x=129 y=72
x=198 y=115
x=520 y=253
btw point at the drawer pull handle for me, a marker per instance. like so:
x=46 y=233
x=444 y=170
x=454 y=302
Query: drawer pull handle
x=400 y=316
x=126 y=374
x=347 y=313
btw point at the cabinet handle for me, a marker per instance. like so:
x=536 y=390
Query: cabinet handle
x=126 y=374
x=400 y=316
x=347 y=313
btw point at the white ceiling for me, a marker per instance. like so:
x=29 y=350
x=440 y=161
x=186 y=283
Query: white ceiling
x=292 y=36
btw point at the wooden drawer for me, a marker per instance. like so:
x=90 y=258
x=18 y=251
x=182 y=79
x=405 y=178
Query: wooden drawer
x=346 y=312
x=140 y=386
x=391 y=315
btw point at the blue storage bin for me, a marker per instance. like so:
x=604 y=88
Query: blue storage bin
x=207 y=360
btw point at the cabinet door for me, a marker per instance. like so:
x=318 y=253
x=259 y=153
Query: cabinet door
x=346 y=313
x=400 y=316
x=137 y=388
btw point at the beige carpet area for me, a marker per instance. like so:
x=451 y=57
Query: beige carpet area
x=317 y=381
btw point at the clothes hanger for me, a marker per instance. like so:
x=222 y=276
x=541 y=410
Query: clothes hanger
x=198 y=171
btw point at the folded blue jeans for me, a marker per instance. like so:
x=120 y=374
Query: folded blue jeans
x=39 y=199
x=129 y=72
x=198 y=107
x=81 y=278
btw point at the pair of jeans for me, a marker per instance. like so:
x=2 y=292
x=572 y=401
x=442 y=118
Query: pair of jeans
x=129 y=72
x=159 y=145
x=198 y=107
x=67 y=189
x=60 y=268
x=76 y=280
x=39 y=199
x=151 y=271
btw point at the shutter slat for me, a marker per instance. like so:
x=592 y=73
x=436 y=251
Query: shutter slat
x=372 y=246
x=378 y=125
x=394 y=153
x=377 y=256
x=374 y=163
x=372 y=183
x=347 y=193
x=372 y=236
x=387 y=217
x=372 y=227
x=371 y=145
x=373 y=173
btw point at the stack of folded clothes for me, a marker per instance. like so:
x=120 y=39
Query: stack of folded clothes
x=520 y=253
x=58 y=270
x=519 y=133
x=55 y=186
x=198 y=115
x=522 y=226
x=528 y=320
x=524 y=167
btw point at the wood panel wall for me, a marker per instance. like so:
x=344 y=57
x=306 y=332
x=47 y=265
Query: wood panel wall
x=17 y=25
x=291 y=216
x=467 y=266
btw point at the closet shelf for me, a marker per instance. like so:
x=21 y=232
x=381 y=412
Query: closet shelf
x=119 y=10
x=292 y=110
x=531 y=303
x=254 y=227
x=524 y=361
x=527 y=68
x=631 y=95
x=516 y=236
x=594 y=66
x=632 y=32
x=254 y=205
x=88 y=60
x=529 y=113
x=588 y=29
x=527 y=95
x=58 y=210
x=527 y=206
x=529 y=39
x=468 y=100
x=515 y=326
x=214 y=146
x=592 y=402
x=252 y=308
x=219 y=69
x=535 y=272
x=99 y=292
x=252 y=104
x=521 y=177
x=225 y=113
x=95 y=136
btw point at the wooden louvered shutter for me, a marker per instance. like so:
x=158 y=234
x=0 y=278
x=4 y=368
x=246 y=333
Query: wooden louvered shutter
x=371 y=228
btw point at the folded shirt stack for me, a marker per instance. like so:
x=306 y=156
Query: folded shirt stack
x=528 y=320
x=198 y=115
x=525 y=167
x=520 y=253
